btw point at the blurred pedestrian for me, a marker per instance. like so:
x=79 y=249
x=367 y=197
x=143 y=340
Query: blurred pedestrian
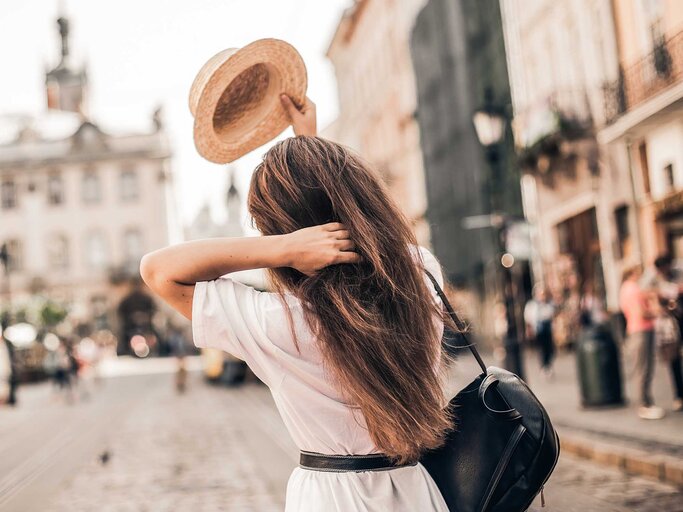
x=13 y=374
x=87 y=358
x=181 y=375
x=636 y=305
x=538 y=316
x=51 y=362
x=592 y=308
x=665 y=282
x=61 y=363
x=176 y=342
x=350 y=345
x=74 y=365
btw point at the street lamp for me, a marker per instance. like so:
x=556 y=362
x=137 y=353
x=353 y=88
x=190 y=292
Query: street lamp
x=489 y=124
x=5 y=259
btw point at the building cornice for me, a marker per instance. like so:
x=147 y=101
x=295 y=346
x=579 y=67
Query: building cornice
x=89 y=158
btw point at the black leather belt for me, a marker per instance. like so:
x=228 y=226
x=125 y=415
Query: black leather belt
x=342 y=463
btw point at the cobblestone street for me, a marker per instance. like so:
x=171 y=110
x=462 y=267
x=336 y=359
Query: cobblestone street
x=142 y=447
x=202 y=451
x=209 y=449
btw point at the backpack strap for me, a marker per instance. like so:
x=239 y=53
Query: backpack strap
x=462 y=329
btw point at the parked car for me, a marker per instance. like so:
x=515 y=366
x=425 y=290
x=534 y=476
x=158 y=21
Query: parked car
x=28 y=353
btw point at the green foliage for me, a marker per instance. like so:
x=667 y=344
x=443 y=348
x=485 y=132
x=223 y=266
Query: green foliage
x=51 y=314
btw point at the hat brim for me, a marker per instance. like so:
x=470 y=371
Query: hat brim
x=281 y=70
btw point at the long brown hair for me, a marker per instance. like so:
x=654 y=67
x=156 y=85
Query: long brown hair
x=375 y=320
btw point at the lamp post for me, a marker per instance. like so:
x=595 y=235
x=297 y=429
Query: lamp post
x=5 y=261
x=489 y=124
x=4 y=323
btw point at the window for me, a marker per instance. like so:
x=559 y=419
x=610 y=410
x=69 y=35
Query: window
x=55 y=189
x=99 y=310
x=58 y=252
x=15 y=253
x=624 y=244
x=644 y=168
x=129 y=185
x=96 y=253
x=92 y=190
x=669 y=177
x=8 y=193
x=132 y=247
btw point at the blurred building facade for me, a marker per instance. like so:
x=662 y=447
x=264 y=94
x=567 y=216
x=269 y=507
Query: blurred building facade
x=644 y=121
x=473 y=191
x=597 y=90
x=577 y=197
x=80 y=206
x=377 y=98
x=203 y=225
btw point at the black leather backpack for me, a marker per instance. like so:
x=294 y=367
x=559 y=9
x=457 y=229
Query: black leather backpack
x=503 y=447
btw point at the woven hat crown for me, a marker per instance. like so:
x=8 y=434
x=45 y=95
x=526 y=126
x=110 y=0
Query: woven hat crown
x=235 y=98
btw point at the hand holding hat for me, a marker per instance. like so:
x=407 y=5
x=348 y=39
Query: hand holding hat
x=303 y=119
x=235 y=99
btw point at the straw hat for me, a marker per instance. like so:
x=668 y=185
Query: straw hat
x=235 y=98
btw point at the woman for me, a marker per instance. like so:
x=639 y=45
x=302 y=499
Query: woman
x=350 y=343
x=538 y=315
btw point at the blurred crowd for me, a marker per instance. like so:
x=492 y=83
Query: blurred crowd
x=651 y=304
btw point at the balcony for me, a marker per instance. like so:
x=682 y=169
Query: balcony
x=553 y=132
x=125 y=273
x=646 y=78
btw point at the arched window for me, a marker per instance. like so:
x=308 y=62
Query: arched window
x=58 y=252
x=15 y=253
x=8 y=194
x=96 y=250
x=129 y=185
x=92 y=189
x=55 y=189
x=132 y=247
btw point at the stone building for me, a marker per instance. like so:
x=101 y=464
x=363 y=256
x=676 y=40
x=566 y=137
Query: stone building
x=644 y=123
x=576 y=196
x=459 y=59
x=80 y=206
x=377 y=99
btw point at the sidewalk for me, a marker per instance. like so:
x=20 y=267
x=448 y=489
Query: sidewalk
x=613 y=436
x=561 y=397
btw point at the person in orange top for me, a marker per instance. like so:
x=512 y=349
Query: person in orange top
x=640 y=339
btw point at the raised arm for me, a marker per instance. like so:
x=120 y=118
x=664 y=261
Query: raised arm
x=172 y=272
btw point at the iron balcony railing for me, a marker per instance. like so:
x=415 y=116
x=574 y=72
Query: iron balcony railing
x=653 y=73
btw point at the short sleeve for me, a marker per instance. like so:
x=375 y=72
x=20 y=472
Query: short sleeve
x=432 y=265
x=229 y=316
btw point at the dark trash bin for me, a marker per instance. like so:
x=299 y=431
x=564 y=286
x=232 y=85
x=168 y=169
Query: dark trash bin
x=597 y=357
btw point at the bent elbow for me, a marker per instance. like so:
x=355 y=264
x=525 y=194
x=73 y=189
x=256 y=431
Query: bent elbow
x=149 y=271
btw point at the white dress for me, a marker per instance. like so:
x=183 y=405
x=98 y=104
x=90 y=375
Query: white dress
x=253 y=326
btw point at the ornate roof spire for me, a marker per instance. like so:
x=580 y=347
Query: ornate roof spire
x=66 y=86
x=64 y=34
